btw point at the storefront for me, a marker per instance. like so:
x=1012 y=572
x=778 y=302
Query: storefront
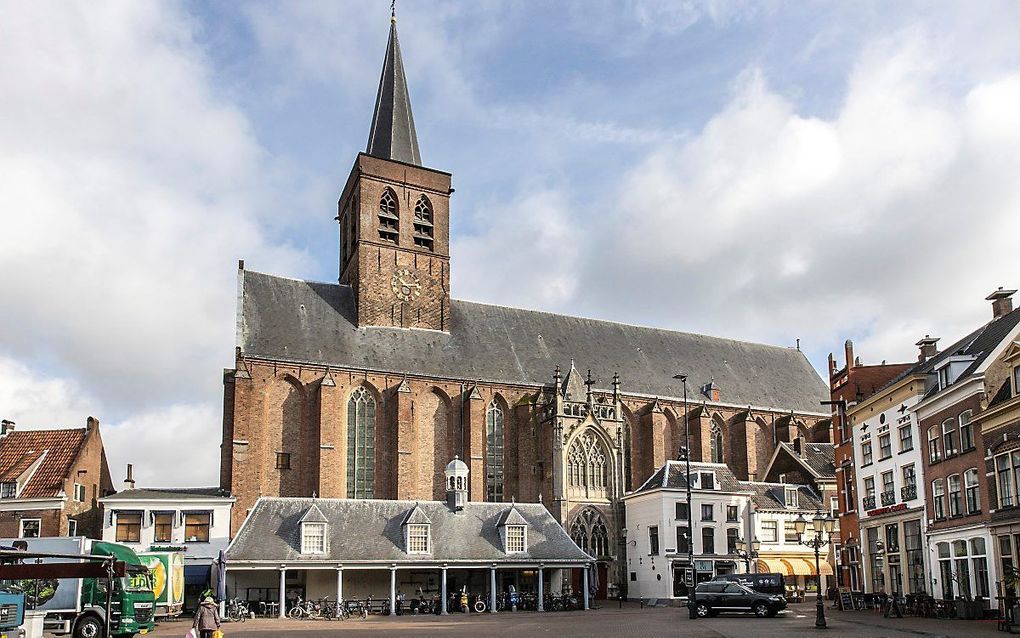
x=799 y=571
x=894 y=552
x=963 y=564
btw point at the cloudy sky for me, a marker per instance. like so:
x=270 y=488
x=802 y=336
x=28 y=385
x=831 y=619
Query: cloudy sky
x=764 y=171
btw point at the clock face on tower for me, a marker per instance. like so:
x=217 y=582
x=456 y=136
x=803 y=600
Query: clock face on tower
x=405 y=284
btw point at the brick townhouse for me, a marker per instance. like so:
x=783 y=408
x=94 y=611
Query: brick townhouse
x=958 y=504
x=51 y=481
x=999 y=427
x=850 y=385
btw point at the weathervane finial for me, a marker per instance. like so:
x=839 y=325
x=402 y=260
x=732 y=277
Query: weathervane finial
x=393 y=10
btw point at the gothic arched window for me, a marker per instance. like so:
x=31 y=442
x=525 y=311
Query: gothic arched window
x=590 y=533
x=361 y=444
x=587 y=466
x=494 y=453
x=715 y=443
x=423 y=223
x=389 y=217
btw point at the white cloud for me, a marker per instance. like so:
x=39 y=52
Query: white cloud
x=130 y=189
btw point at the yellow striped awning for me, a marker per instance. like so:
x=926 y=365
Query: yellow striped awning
x=793 y=566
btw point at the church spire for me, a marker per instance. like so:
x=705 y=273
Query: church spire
x=392 y=135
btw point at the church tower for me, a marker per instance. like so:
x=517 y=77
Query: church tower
x=394 y=217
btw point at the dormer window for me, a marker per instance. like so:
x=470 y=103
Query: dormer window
x=516 y=539
x=944 y=378
x=314 y=526
x=791 y=497
x=707 y=481
x=313 y=538
x=419 y=539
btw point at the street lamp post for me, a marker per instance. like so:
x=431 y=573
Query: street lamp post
x=748 y=553
x=822 y=526
x=685 y=453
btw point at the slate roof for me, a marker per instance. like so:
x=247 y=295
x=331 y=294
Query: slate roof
x=300 y=321
x=978 y=344
x=671 y=475
x=819 y=458
x=392 y=134
x=167 y=493
x=769 y=496
x=21 y=448
x=370 y=531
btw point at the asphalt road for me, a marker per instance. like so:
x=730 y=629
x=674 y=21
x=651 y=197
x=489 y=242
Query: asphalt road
x=610 y=621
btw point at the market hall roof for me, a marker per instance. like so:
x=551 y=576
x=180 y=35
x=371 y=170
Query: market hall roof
x=370 y=530
x=310 y=322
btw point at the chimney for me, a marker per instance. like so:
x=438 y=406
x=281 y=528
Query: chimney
x=1002 y=304
x=6 y=427
x=928 y=349
x=91 y=423
x=848 y=350
x=798 y=446
x=129 y=482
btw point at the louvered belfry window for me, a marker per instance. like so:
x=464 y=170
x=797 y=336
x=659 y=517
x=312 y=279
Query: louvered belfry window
x=389 y=217
x=423 y=230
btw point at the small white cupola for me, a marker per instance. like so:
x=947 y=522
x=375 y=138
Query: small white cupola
x=456 y=484
x=314 y=531
x=513 y=531
x=417 y=528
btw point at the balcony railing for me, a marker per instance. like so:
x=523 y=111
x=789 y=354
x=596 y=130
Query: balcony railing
x=908 y=492
x=889 y=498
x=869 y=502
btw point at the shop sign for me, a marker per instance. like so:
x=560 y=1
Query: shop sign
x=899 y=507
x=703 y=565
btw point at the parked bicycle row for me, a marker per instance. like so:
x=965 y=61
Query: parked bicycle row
x=238 y=610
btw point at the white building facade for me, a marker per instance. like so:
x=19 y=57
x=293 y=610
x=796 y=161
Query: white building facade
x=890 y=499
x=195 y=521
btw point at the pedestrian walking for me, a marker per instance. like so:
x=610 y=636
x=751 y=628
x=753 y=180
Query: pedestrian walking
x=207 y=619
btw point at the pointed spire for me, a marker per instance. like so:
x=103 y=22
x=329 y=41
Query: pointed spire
x=392 y=135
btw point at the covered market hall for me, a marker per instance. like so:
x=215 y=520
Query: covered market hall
x=346 y=549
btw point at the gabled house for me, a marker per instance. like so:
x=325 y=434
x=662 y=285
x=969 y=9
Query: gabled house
x=51 y=481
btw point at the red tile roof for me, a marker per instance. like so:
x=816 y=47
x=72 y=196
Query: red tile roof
x=21 y=448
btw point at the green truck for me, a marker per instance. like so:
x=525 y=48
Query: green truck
x=77 y=606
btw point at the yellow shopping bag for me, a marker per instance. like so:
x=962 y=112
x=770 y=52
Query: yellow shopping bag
x=217 y=634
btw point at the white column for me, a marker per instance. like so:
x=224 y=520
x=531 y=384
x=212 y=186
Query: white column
x=585 y=585
x=443 y=594
x=541 y=588
x=339 y=585
x=393 y=590
x=492 y=589
x=283 y=592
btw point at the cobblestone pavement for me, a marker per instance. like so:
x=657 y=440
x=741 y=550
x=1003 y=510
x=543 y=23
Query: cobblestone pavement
x=609 y=621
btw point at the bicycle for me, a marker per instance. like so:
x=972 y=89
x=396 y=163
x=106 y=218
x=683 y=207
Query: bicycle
x=304 y=609
x=237 y=610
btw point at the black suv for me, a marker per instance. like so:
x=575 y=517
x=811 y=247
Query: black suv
x=714 y=597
